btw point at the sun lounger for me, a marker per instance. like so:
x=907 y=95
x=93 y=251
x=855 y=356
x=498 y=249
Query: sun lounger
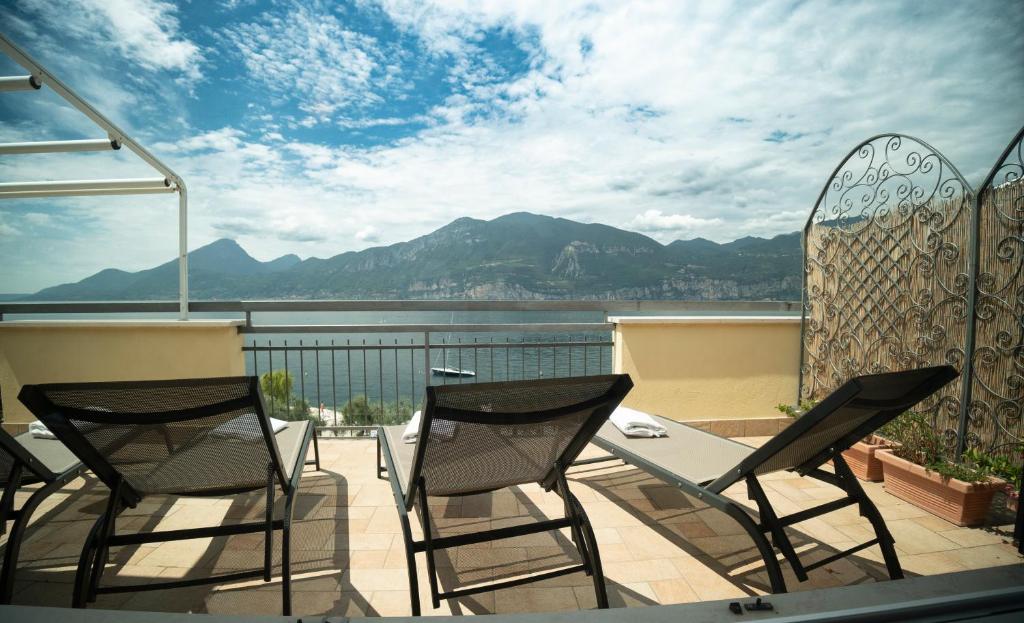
x=488 y=436
x=25 y=460
x=190 y=437
x=705 y=465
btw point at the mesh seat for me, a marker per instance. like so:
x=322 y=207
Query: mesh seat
x=495 y=435
x=488 y=436
x=192 y=437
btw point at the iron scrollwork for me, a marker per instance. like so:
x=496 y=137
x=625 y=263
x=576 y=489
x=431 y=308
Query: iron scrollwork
x=997 y=385
x=887 y=270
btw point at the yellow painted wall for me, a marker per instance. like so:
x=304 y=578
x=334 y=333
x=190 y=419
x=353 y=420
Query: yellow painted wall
x=702 y=368
x=53 y=352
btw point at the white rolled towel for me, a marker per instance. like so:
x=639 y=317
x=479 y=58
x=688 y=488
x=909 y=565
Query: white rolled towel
x=39 y=431
x=438 y=429
x=635 y=423
x=412 y=430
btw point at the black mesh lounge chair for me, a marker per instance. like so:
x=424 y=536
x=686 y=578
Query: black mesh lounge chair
x=25 y=460
x=704 y=465
x=488 y=436
x=189 y=437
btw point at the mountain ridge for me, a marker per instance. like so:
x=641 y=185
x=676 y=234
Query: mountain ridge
x=517 y=255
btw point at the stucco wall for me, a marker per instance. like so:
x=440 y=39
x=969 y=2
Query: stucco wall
x=66 y=351
x=709 y=368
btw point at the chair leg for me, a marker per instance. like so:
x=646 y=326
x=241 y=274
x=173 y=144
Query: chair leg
x=428 y=542
x=7 y=499
x=286 y=562
x=268 y=537
x=849 y=483
x=106 y=530
x=17 y=535
x=562 y=489
x=79 y=592
x=316 y=451
x=596 y=570
x=381 y=469
x=410 y=563
x=403 y=520
x=583 y=534
x=771 y=522
x=743 y=518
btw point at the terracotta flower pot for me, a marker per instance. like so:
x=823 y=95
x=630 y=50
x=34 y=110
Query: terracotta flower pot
x=862 y=460
x=962 y=503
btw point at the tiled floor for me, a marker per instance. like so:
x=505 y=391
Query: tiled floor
x=658 y=545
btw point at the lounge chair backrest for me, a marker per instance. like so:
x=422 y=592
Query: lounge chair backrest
x=858 y=408
x=486 y=436
x=201 y=436
x=10 y=450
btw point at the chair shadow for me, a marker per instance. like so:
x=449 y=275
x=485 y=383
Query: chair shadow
x=531 y=554
x=319 y=553
x=742 y=566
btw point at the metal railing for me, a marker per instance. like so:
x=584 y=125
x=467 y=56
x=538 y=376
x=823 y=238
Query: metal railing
x=349 y=384
x=418 y=305
x=351 y=376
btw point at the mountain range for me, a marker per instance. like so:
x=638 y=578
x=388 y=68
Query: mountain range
x=516 y=256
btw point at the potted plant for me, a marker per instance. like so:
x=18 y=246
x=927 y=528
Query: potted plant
x=1005 y=465
x=919 y=472
x=861 y=455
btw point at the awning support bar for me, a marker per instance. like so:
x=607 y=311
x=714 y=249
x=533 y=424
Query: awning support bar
x=19 y=83
x=48 y=147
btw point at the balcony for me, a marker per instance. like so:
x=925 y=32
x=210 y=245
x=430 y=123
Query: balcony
x=723 y=372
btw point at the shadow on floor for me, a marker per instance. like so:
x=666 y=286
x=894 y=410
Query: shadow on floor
x=711 y=536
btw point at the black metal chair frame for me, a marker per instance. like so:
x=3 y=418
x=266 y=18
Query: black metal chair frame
x=575 y=517
x=24 y=463
x=103 y=536
x=771 y=524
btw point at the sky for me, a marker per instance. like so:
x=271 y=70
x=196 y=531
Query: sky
x=317 y=128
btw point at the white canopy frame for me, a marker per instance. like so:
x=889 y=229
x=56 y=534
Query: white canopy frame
x=169 y=182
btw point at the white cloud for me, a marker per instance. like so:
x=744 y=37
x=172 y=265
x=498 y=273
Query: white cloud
x=368 y=234
x=308 y=54
x=8 y=230
x=669 y=227
x=37 y=218
x=145 y=31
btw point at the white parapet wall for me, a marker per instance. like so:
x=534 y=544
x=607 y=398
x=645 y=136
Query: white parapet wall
x=727 y=371
x=43 y=351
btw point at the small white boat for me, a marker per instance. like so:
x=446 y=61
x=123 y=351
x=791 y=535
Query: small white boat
x=452 y=372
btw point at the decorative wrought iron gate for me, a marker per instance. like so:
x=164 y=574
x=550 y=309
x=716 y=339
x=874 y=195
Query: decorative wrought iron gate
x=905 y=266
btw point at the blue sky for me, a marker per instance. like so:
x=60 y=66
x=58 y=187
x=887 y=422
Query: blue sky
x=319 y=127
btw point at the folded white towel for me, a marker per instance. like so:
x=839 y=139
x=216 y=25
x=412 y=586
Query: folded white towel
x=439 y=430
x=635 y=423
x=237 y=430
x=39 y=431
x=412 y=430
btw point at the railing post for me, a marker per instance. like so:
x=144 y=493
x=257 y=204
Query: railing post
x=426 y=361
x=967 y=373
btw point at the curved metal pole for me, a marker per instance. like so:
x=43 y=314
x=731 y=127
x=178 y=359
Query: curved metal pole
x=41 y=76
x=972 y=285
x=182 y=251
